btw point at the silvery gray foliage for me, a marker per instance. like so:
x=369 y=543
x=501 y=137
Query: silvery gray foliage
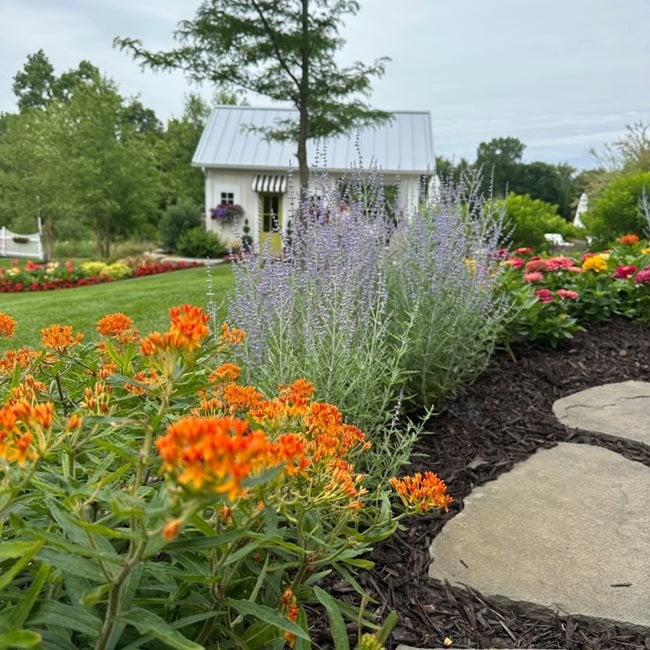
x=320 y=311
x=443 y=275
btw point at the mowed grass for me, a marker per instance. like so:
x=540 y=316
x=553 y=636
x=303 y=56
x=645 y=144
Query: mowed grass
x=146 y=300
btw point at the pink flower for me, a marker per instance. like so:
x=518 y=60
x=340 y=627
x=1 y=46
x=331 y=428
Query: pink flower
x=515 y=262
x=565 y=293
x=586 y=256
x=536 y=265
x=523 y=251
x=544 y=295
x=556 y=263
x=643 y=277
x=624 y=272
x=535 y=276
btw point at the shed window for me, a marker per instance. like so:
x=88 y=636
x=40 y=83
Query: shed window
x=227 y=198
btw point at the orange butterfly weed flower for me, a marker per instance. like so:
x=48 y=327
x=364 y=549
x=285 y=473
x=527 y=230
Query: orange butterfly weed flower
x=97 y=398
x=171 y=529
x=190 y=324
x=217 y=454
x=7 y=325
x=629 y=240
x=231 y=334
x=11 y=359
x=422 y=492
x=241 y=398
x=150 y=377
x=27 y=391
x=20 y=423
x=114 y=324
x=226 y=372
x=60 y=337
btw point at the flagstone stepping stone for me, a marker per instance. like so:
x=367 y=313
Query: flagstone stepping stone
x=567 y=529
x=621 y=410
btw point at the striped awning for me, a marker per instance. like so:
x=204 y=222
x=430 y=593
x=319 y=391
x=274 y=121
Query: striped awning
x=269 y=183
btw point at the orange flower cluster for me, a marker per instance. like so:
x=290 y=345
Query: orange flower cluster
x=11 y=359
x=150 y=377
x=217 y=454
x=187 y=331
x=629 y=240
x=290 y=609
x=422 y=493
x=7 y=325
x=226 y=372
x=27 y=391
x=119 y=326
x=60 y=337
x=97 y=398
x=20 y=423
x=231 y=335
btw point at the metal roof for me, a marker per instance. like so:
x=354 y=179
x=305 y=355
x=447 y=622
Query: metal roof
x=404 y=144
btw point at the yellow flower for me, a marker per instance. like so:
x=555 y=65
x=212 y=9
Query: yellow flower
x=596 y=263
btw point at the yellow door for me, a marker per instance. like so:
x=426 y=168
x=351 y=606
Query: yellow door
x=270 y=228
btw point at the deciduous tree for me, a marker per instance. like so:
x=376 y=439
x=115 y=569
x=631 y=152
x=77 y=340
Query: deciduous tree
x=283 y=49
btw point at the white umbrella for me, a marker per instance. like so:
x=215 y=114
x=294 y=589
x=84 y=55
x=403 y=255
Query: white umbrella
x=583 y=206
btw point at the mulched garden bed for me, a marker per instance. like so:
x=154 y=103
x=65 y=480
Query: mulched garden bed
x=503 y=418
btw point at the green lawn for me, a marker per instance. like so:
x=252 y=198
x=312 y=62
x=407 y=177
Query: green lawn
x=145 y=300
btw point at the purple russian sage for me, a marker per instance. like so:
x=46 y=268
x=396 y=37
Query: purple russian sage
x=319 y=310
x=443 y=277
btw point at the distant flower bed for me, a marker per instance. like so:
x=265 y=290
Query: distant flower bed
x=68 y=274
x=554 y=297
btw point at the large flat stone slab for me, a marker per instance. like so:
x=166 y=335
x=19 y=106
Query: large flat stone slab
x=621 y=410
x=567 y=529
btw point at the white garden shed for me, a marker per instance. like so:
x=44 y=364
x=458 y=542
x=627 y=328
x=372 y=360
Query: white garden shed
x=244 y=169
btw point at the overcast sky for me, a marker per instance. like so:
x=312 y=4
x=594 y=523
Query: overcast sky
x=560 y=75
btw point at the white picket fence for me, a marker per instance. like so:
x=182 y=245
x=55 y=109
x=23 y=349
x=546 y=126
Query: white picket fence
x=13 y=244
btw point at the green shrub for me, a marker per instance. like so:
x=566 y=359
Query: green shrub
x=200 y=244
x=617 y=210
x=177 y=220
x=526 y=221
x=115 y=271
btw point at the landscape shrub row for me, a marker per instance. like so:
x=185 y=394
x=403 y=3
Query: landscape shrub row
x=65 y=275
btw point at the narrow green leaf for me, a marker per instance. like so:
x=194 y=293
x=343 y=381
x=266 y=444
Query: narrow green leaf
x=145 y=622
x=58 y=614
x=337 y=624
x=24 y=606
x=387 y=627
x=10 y=550
x=19 y=639
x=264 y=613
x=75 y=565
x=26 y=557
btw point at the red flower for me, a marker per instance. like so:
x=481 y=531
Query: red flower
x=544 y=295
x=624 y=272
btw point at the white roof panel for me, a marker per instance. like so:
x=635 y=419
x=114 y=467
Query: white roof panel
x=405 y=144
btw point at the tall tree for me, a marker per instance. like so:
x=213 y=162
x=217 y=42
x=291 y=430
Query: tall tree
x=174 y=151
x=36 y=84
x=498 y=160
x=80 y=166
x=283 y=49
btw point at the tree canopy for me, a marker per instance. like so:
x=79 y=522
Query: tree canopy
x=282 y=49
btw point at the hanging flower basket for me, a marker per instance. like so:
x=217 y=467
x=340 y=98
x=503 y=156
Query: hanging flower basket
x=227 y=212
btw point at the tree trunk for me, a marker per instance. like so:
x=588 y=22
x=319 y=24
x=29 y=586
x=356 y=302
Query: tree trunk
x=303 y=105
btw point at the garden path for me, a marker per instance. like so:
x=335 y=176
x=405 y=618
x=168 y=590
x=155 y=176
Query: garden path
x=568 y=528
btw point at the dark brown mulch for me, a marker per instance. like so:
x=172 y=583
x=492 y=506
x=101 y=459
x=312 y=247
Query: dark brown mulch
x=503 y=418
